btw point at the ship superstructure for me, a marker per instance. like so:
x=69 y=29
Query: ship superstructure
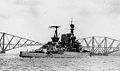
x=67 y=46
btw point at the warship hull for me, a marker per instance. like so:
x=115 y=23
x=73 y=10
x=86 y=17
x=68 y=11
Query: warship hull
x=44 y=55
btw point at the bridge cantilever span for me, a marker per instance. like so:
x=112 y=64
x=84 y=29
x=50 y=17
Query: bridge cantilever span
x=9 y=42
x=100 y=45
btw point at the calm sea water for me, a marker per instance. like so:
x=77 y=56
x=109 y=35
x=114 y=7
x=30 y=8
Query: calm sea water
x=12 y=62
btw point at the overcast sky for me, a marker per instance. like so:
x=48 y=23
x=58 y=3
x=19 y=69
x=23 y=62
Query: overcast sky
x=31 y=18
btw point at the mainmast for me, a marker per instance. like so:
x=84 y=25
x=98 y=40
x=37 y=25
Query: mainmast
x=72 y=27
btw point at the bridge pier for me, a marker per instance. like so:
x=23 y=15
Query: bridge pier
x=100 y=54
x=106 y=54
x=3 y=51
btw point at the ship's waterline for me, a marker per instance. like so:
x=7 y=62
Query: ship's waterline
x=43 y=55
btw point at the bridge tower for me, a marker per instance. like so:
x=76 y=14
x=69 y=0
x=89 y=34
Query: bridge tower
x=105 y=46
x=93 y=46
x=3 y=43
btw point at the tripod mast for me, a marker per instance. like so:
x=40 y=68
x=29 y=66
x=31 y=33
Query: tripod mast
x=55 y=38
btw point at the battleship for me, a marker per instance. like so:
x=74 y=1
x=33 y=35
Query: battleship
x=67 y=46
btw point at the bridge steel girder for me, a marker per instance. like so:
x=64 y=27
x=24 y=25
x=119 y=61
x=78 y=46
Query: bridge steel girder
x=9 y=42
x=100 y=45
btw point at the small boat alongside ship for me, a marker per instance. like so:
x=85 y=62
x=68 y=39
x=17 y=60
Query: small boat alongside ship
x=67 y=46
